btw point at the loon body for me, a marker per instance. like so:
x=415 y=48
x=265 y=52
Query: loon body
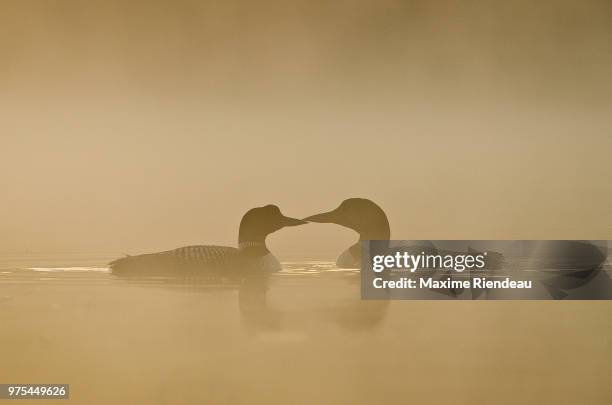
x=251 y=254
x=560 y=265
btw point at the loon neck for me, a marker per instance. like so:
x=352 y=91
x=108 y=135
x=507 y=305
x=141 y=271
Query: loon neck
x=373 y=226
x=251 y=245
x=382 y=233
x=252 y=240
x=253 y=248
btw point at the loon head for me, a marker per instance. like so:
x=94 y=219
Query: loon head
x=259 y=222
x=359 y=214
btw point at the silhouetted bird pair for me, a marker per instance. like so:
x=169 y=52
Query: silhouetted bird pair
x=579 y=260
x=361 y=215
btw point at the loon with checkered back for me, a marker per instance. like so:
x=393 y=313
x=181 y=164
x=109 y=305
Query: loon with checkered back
x=561 y=265
x=252 y=252
x=370 y=221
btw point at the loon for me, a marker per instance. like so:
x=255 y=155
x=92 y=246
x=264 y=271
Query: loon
x=561 y=265
x=251 y=254
x=370 y=221
x=364 y=217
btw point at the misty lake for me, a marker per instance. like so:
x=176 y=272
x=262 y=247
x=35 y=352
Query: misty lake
x=300 y=336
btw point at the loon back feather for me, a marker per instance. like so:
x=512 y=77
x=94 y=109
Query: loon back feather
x=185 y=259
x=137 y=262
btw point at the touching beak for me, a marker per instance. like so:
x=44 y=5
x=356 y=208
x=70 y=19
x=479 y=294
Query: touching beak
x=325 y=218
x=292 y=221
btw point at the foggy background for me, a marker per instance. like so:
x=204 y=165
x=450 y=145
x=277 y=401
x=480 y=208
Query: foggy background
x=142 y=126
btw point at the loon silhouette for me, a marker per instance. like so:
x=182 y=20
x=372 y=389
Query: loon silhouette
x=252 y=252
x=364 y=217
x=367 y=219
x=370 y=221
x=560 y=265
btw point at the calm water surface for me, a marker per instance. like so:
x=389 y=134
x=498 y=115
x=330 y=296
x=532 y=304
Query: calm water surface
x=299 y=336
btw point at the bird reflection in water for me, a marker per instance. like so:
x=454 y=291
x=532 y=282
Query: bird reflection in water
x=253 y=270
x=331 y=300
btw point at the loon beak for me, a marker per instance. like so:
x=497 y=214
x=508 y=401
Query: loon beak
x=325 y=218
x=286 y=221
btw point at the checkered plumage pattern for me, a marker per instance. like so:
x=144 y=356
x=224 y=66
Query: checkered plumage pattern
x=205 y=254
